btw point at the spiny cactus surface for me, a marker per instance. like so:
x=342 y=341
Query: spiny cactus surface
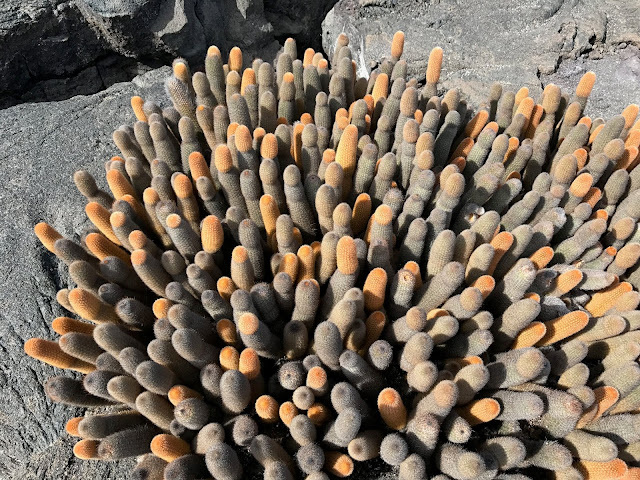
x=301 y=273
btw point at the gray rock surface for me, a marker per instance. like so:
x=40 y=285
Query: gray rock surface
x=44 y=143
x=518 y=43
x=41 y=146
x=54 y=49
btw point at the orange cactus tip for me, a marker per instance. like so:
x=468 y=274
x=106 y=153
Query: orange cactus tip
x=138 y=257
x=472 y=360
x=136 y=105
x=223 y=161
x=593 y=196
x=480 y=411
x=376 y=322
x=267 y=408
x=413 y=267
x=586 y=121
x=502 y=241
x=244 y=140
x=541 y=257
x=338 y=464
x=434 y=65
x=212 y=234
x=138 y=239
x=492 y=126
x=459 y=162
x=161 y=307
x=605 y=398
x=64 y=325
x=174 y=220
x=633 y=137
x=630 y=114
x=169 y=447
x=231 y=129
x=37 y=347
x=521 y=95
x=248 y=324
x=150 y=196
x=581 y=185
x=437 y=313
x=316 y=378
x=182 y=186
x=71 y=427
x=533 y=296
x=484 y=283
x=84 y=300
x=249 y=363
x=477 y=123
x=612 y=470
x=566 y=281
x=229 y=358
x=383 y=215
x=595 y=133
x=632 y=474
x=226 y=330
x=288 y=77
x=397 y=44
x=213 y=51
x=454 y=185
x=178 y=393
x=318 y=414
x=269 y=146
x=342 y=113
x=259 y=133
x=248 y=78
x=347 y=257
x=118 y=219
x=47 y=235
x=180 y=70
x=628 y=158
x=235 y=59
x=308 y=56
x=374 y=289
x=289 y=265
x=287 y=412
x=526 y=107
x=86 y=449
x=585 y=85
x=563 y=327
x=225 y=287
x=391 y=408
x=380 y=87
x=95 y=210
x=329 y=155
x=512 y=146
x=239 y=254
x=342 y=121
x=530 y=335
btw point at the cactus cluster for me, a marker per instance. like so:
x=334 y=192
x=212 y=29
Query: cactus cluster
x=297 y=271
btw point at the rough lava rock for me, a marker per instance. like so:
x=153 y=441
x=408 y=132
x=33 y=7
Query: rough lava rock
x=54 y=49
x=51 y=50
x=41 y=146
x=518 y=44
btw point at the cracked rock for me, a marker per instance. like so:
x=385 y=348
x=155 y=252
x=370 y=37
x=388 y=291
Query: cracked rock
x=54 y=49
x=41 y=146
x=519 y=44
